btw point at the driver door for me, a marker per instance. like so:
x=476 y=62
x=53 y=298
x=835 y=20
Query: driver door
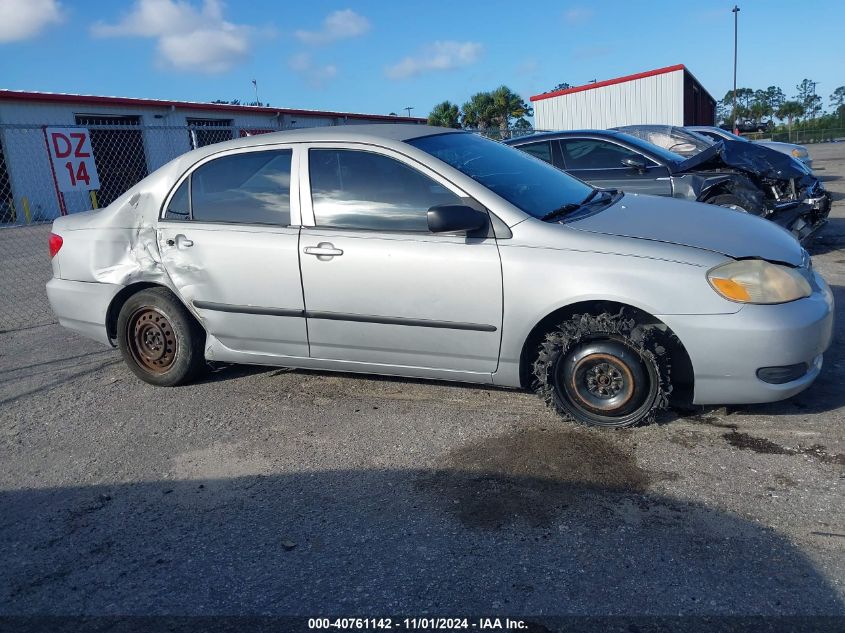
x=379 y=287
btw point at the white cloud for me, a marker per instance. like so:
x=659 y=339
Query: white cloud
x=187 y=38
x=437 y=56
x=314 y=74
x=338 y=25
x=577 y=15
x=23 y=19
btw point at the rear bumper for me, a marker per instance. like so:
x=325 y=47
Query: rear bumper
x=82 y=306
x=726 y=350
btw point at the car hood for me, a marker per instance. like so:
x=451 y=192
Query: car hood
x=748 y=157
x=696 y=225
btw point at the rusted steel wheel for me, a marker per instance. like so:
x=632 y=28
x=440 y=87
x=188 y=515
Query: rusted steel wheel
x=159 y=339
x=151 y=340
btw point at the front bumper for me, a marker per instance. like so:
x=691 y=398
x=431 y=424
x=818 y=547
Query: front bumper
x=726 y=350
x=82 y=306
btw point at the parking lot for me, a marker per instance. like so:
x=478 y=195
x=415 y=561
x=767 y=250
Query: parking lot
x=267 y=491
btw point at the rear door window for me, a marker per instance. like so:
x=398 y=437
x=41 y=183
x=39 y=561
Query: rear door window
x=591 y=153
x=246 y=188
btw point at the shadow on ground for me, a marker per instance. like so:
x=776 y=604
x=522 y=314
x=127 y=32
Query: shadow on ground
x=532 y=522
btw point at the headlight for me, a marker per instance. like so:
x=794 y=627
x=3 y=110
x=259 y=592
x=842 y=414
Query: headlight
x=799 y=153
x=758 y=281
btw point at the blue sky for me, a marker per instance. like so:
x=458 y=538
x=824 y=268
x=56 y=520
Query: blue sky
x=379 y=57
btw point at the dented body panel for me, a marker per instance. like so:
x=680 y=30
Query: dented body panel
x=430 y=306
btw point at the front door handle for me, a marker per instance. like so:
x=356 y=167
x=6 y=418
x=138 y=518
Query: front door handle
x=324 y=251
x=180 y=241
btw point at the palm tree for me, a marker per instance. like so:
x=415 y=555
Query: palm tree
x=790 y=110
x=508 y=105
x=478 y=111
x=445 y=114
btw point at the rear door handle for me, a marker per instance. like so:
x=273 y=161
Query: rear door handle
x=180 y=241
x=323 y=251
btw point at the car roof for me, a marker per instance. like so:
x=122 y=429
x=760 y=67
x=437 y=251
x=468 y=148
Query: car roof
x=353 y=133
x=539 y=136
x=374 y=133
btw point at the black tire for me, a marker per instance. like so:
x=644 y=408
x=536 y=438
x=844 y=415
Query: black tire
x=728 y=200
x=604 y=370
x=159 y=339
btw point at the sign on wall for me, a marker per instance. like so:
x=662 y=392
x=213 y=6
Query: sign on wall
x=73 y=159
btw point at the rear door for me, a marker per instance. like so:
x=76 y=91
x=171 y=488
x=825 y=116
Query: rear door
x=599 y=162
x=229 y=241
x=379 y=287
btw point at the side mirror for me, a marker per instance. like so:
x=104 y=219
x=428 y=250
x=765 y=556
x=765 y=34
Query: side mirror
x=635 y=162
x=454 y=218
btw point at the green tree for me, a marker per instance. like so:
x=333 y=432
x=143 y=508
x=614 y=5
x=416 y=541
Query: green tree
x=478 y=111
x=508 y=105
x=808 y=98
x=837 y=100
x=790 y=110
x=774 y=97
x=521 y=127
x=445 y=114
x=744 y=98
x=760 y=108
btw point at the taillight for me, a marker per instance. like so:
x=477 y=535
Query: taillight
x=55 y=244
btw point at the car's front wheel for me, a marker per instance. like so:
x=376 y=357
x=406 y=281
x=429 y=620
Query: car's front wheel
x=604 y=370
x=159 y=339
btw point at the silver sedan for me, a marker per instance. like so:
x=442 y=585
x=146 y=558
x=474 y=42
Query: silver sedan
x=434 y=253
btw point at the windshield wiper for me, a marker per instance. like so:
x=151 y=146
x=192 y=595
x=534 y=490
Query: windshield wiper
x=564 y=210
x=572 y=206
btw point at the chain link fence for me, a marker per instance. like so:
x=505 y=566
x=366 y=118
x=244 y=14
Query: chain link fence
x=800 y=137
x=24 y=271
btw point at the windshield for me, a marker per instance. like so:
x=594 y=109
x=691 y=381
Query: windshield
x=669 y=137
x=526 y=182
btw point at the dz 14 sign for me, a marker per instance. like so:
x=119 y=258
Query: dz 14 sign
x=73 y=159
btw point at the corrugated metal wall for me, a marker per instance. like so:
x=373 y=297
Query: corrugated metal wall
x=655 y=99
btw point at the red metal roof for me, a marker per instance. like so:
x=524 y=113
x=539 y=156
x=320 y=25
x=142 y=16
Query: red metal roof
x=58 y=97
x=609 y=82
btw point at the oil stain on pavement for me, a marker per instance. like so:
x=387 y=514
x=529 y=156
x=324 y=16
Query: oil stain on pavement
x=531 y=476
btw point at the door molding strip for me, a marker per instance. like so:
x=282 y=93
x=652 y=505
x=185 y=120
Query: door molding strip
x=340 y=316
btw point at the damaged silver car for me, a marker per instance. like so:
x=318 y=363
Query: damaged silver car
x=432 y=253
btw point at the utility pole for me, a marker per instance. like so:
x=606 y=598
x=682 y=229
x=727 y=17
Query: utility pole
x=255 y=85
x=408 y=108
x=735 y=11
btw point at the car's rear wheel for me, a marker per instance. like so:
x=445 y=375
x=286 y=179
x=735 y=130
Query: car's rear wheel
x=604 y=370
x=729 y=201
x=159 y=339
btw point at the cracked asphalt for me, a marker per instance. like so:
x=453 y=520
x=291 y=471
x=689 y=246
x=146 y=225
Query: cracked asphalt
x=273 y=492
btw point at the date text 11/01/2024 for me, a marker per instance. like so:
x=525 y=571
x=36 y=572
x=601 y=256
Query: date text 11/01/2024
x=418 y=624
